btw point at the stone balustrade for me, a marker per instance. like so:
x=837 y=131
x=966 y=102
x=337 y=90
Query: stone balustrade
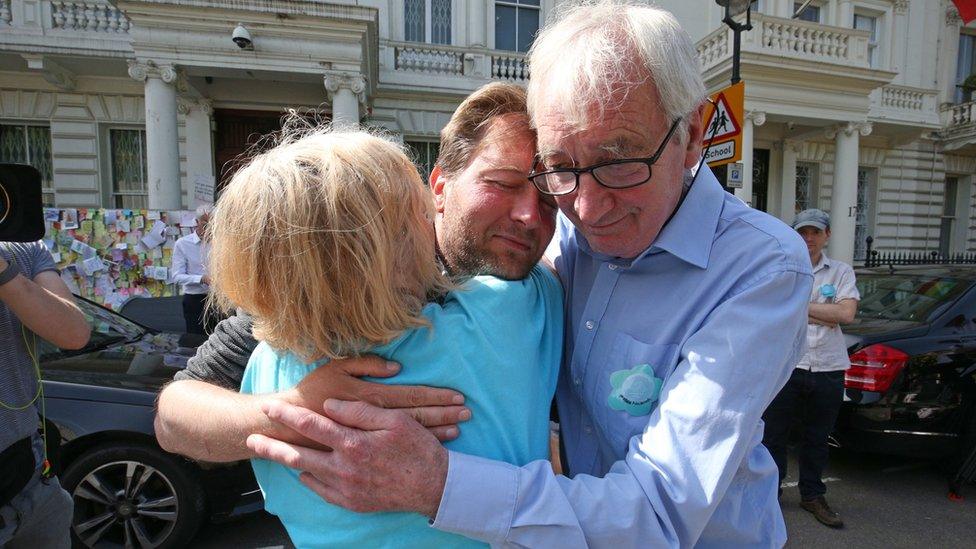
x=959 y=115
x=89 y=17
x=509 y=66
x=802 y=40
x=899 y=97
x=429 y=59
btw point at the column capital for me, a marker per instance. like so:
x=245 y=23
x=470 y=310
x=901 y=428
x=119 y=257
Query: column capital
x=952 y=17
x=901 y=7
x=186 y=104
x=788 y=145
x=353 y=81
x=849 y=129
x=757 y=118
x=143 y=70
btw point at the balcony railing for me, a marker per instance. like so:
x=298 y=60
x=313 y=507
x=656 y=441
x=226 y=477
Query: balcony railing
x=430 y=60
x=899 y=97
x=790 y=38
x=962 y=114
x=88 y=16
x=511 y=66
x=441 y=60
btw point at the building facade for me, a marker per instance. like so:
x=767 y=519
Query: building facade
x=858 y=107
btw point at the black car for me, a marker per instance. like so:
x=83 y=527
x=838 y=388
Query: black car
x=911 y=388
x=99 y=404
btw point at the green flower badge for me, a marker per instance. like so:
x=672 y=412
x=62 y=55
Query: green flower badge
x=635 y=390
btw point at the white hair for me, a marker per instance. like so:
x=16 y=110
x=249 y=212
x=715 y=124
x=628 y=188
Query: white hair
x=592 y=53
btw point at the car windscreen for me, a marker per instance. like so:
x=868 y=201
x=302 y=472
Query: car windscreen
x=906 y=296
x=107 y=327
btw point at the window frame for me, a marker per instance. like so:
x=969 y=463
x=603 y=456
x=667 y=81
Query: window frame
x=429 y=24
x=875 y=51
x=813 y=194
x=819 y=6
x=517 y=5
x=25 y=124
x=958 y=92
x=431 y=151
x=872 y=175
x=113 y=194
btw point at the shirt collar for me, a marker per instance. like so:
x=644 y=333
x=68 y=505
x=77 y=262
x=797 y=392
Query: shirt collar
x=193 y=237
x=824 y=262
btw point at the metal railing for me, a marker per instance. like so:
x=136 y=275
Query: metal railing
x=874 y=258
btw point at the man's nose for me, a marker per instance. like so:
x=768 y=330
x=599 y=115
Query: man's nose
x=526 y=207
x=592 y=201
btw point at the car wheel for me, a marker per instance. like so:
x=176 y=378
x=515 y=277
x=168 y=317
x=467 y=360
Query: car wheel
x=132 y=495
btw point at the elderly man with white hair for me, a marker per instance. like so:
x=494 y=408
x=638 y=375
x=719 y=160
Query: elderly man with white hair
x=686 y=313
x=189 y=270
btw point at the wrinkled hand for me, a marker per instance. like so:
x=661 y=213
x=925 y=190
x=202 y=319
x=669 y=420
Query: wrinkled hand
x=382 y=460
x=440 y=410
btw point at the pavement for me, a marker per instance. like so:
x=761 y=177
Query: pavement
x=885 y=502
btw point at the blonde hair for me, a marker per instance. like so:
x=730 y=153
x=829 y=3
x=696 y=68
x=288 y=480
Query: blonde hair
x=592 y=50
x=327 y=240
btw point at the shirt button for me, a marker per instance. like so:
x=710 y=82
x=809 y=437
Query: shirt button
x=587 y=429
x=613 y=267
x=589 y=324
x=576 y=381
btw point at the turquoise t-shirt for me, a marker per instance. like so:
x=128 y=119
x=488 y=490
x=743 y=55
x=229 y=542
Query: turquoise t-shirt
x=498 y=342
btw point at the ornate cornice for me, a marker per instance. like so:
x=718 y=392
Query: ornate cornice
x=952 y=17
x=758 y=118
x=901 y=7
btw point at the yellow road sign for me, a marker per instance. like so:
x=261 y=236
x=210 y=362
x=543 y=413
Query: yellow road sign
x=723 y=118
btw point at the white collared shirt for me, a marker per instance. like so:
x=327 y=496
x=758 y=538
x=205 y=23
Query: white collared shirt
x=826 y=349
x=190 y=263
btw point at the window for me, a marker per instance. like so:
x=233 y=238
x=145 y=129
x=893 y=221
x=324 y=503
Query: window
x=862 y=217
x=516 y=22
x=870 y=24
x=806 y=186
x=424 y=156
x=811 y=13
x=26 y=144
x=965 y=66
x=427 y=21
x=128 y=155
x=948 y=215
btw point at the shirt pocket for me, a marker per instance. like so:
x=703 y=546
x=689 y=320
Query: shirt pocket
x=628 y=356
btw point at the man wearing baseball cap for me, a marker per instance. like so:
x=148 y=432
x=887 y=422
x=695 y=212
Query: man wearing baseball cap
x=815 y=389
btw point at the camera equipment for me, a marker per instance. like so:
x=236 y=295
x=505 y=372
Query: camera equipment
x=21 y=214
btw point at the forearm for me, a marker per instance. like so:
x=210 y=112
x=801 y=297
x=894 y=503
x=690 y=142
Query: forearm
x=833 y=313
x=209 y=423
x=50 y=316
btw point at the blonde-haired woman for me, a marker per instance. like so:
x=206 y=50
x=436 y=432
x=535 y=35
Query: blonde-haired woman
x=328 y=241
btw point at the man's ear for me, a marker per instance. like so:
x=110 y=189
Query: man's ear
x=438 y=186
x=696 y=130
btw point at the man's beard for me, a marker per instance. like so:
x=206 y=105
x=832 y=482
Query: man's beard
x=465 y=253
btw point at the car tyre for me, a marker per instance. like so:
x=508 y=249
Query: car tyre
x=133 y=495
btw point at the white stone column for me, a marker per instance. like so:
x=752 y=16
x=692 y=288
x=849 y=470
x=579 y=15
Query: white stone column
x=199 y=142
x=948 y=56
x=845 y=15
x=898 y=46
x=843 y=196
x=162 y=145
x=787 y=206
x=477 y=27
x=753 y=118
x=347 y=90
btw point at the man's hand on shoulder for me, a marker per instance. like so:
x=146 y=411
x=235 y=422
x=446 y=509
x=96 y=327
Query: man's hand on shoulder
x=381 y=460
x=440 y=410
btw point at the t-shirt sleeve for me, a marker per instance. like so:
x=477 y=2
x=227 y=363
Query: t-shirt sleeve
x=41 y=259
x=222 y=358
x=847 y=286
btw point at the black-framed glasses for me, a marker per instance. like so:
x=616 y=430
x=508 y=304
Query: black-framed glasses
x=612 y=174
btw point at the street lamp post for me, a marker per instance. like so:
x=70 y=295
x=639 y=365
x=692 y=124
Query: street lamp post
x=734 y=8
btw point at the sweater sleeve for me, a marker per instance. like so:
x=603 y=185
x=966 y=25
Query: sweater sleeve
x=221 y=360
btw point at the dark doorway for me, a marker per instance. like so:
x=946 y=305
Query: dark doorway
x=760 y=178
x=237 y=131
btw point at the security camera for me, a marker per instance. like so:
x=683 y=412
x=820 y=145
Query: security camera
x=242 y=38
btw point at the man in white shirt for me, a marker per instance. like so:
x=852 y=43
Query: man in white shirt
x=190 y=272
x=816 y=387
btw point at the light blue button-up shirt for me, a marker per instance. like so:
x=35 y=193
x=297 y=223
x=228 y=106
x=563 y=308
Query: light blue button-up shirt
x=717 y=308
